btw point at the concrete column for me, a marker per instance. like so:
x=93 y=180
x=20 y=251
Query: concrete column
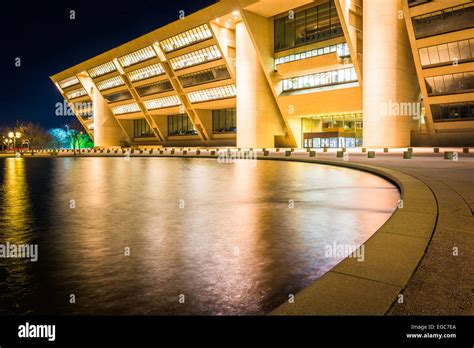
x=257 y=112
x=390 y=80
x=107 y=131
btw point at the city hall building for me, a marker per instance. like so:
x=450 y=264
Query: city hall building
x=287 y=73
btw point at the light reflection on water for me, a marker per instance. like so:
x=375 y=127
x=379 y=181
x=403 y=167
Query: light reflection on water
x=235 y=247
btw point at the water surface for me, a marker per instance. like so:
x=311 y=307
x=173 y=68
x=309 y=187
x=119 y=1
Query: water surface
x=222 y=235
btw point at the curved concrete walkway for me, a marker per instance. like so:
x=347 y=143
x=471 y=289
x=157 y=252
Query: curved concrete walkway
x=424 y=252
x=439 y=197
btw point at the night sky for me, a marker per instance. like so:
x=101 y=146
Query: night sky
x=47 y=42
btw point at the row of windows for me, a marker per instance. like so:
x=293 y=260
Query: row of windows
x=118 y=96
x=125 y=109
x=141 y=129
x=448 y=53
x=327 y=78
x=146 y=72
x=224 y=121
x=102 y=69
x=180 y=125
x=71 y=81
x=453 y=112
x=76 y=93
x=187 y=38
x=417 y=2
x=443 y=21
x=197 y=57
x=110 y=83
x=341 y=49
x=212 y=94
x=154 y=88
x=205 y=76
x=86 y=115
x=304 y=27
x=137 y=56
x=450 y=83
x=164 y=102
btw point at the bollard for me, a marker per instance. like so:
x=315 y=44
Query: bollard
x=312 y=153
x=340 y=154
x=266 y=152
x=406 y=154
x=436 y=150
x=385 y=149
x=465 y=150
x=448 y=155
x=371 y=154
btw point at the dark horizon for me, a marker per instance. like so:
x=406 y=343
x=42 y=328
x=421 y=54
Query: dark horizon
x=41 y=35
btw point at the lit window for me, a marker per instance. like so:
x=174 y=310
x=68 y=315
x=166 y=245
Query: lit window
x=125 y=109
x=197 y=57
x=187 y=38
x=212 y=94
x=76 y=93
x=341 y=49
x=110 y=83
x=102 y=69
x=164 y=102
x=137 y=56
x=328 y=78
x=141 y=128
x=447 y=54
x=146 y=72
x=71 y=81
x=180 y=125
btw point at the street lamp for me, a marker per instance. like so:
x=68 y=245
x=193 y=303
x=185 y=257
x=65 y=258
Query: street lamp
x=13 y=137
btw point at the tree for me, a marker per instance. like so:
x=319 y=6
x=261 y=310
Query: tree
x=78 y=138
x=60 y=138
x=36 y=136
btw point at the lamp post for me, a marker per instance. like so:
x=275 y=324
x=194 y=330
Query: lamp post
x=13 y=137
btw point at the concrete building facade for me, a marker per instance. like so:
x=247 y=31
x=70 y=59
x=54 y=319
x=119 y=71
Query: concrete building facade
x=281 y=73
